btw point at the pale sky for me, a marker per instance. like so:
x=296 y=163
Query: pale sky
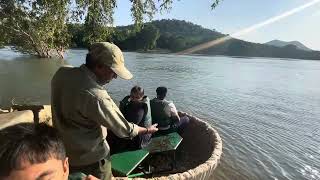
x=232 y=16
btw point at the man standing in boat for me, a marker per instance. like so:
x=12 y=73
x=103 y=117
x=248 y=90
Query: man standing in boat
x=165 y=114
x=82 y=110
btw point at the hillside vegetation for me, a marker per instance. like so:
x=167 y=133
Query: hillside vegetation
x=176 y=35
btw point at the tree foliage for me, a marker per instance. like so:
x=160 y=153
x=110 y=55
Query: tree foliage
x=175 y=35
x=99 y=17
x=147 y=37
x=35 y=26
x=38 y=27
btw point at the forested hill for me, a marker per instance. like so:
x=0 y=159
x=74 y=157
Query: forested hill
x=173 y=35
x=176 y=35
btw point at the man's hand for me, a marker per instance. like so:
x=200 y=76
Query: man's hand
x=152 y=129
x=90 y=177
x=182 y=113
x=149 y=130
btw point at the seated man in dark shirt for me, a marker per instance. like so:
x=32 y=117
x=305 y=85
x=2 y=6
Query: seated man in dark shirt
x=165 y=114
x=136 y=109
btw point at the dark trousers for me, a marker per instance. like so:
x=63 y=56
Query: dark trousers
x=100 y=169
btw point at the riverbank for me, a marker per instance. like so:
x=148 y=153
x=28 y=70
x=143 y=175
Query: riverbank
x=167 y=51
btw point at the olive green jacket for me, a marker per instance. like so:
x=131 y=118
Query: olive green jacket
x=81 y=108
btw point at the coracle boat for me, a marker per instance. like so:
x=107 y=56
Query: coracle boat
x=196 y=158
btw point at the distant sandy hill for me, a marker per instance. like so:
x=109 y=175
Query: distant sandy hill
x=279 y=43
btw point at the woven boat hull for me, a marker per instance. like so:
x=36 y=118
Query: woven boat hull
x=201 y=150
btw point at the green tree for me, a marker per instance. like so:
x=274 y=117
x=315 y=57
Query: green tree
x=177 y=43
x=36 y=27
x=76 y=32
x=147 y=37
x=98 y=19
x=238 y=48
x=39 y=27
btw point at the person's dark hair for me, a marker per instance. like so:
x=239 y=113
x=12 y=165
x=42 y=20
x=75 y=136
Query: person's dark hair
x=137 y=90
x=28 y=142
x=91 y=63
x=161 y=92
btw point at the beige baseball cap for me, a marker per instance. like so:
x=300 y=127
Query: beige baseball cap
x=110 y=55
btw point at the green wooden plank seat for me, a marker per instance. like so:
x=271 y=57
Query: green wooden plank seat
x=124 y=163
x=165 y=144
x=168 y=142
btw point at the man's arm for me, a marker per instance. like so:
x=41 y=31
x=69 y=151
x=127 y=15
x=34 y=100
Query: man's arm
x=181 y=113
x=148 y=117
x=106 y=113
x=173 y=111
x=149 y=130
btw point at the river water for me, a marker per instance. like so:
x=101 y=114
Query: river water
x=266 y=110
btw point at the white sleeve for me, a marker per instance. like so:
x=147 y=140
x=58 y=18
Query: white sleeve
x=172 y=109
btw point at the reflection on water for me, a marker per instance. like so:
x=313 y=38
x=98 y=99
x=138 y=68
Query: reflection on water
x=26 y=80
x=266 y=110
